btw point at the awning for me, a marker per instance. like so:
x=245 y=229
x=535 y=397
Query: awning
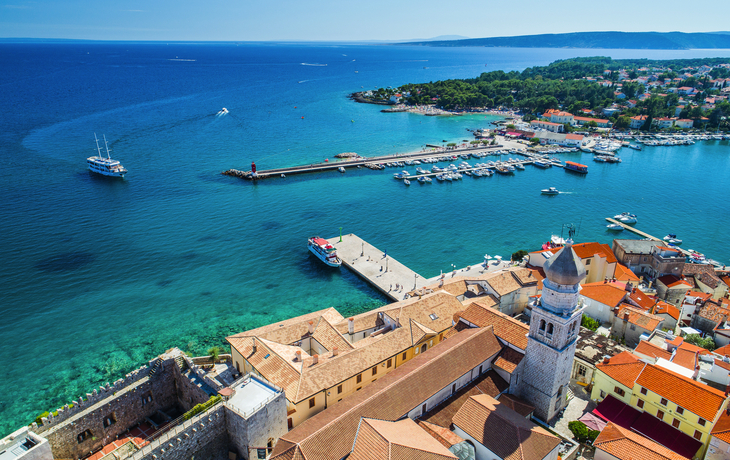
x=615 y=411
x=593 y=422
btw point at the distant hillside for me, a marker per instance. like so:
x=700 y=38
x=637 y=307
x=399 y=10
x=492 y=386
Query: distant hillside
x=608 y=40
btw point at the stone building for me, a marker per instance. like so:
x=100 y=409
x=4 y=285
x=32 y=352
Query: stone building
x=590 y=350
x=666 y=261
x=635 y=254
x=554 y=326
x=598 y=259
x=631 y=323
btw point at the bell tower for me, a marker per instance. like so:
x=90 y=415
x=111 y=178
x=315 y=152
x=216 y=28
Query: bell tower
x=554 y=327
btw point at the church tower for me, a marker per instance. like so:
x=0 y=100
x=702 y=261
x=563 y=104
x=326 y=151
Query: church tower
x=554 y=327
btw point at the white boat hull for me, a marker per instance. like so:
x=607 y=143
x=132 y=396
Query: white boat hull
x=336 y=263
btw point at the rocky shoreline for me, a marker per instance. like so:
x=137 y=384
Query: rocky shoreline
x=358 y=97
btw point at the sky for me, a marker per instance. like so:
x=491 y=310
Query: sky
x=345 y=20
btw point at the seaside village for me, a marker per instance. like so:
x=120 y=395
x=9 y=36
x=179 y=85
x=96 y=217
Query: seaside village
x=495 y=365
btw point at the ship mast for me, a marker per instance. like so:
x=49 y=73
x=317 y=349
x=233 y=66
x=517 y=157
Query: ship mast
x=98 y=149
x=107 y=148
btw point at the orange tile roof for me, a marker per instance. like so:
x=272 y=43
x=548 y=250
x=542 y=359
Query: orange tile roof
x=611 y=294
x=446 y=437
x=587 y=250
x=664 y=308
x=642 y=300
x=625 y=444
x=624 y=274
x=508 y=359
x=654 y=351
x=672 y=281
x=503 y=431
x=639 y=317
x=721 y=430
x=624 y=368
x=723 y=351
x=401 y=440
x=505 y=327
x=714 y=312
x=695 y=397
x=518 y=405
x=685 y=358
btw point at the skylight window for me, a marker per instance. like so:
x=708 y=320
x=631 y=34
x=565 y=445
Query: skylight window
x=433 y=316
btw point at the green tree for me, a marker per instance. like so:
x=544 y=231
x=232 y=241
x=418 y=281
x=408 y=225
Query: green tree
x=623 y=122
x=535 y=141
x=589 y=323
x=581 y=432
x=214 y=353
x=707 y=343
x=517 y=256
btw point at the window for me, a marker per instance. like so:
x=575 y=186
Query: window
x=640 y=403
x=632 y=327
x=698 y=435
x=603 y=394
x=680 y=410
x=109 y=420
x=423 y=408
x=643 y=390
x=375 y=370
x=289 y=423
x=359 y=378
x=542 y=325
x=270 y=445
x=675 y=423
x=423 y=348
x=404 y=356
x=660 y=414
x=433 y=316
x=550 y=329
x=701 y=421
x=390 y=363
x=146 y=399
x=238 y=367
x=311 y=402
x=358 y=389
x=663 y=402
x=83 y=436
x=453 y=388
x=588 y=261
x=480 y=370
x=619 y=391
x=339 y=389
x=441 y=336
x=581 y=370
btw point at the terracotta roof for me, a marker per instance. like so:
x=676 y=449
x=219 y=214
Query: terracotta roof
x=714 y=312
x=527 y=276
x=664 y=308
x=362 y=322
x=721 y=430
x=505 y=327
x=489 y=383
x=624 y=444
x=269 y=364
x=330 y=433
x=575 y=137
x=653 y=351
x=639 y=317
x=329 y=337
x=695 y=397
x=702 y=272
x=624 y=274
x=401 y=440
x=685 y=358
x=587 y=250
x=503 y=283
x=503 y=431
x=642 y=300
x=723 y=351
x=293 y=329
x=610 y=294
x=518 y=405
x=445 y=436
x=624 y=368
x=508 y=359
x=673 y=281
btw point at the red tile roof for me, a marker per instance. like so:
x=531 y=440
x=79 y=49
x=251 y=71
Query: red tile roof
x=625 y=368
x=611 y=294
x=642 y=300
x=664 y=308
x=651 y=350
x=639 y=317
x=505 y=327
x=693 y=396
x=587 y=250
x=721 y=430
x=624 y=444
x=671 y=281
x=624 y=274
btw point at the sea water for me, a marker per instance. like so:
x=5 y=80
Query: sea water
x=99 y=275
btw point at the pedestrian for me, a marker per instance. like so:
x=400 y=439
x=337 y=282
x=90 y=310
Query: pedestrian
x=390 y=288
x=381 y=268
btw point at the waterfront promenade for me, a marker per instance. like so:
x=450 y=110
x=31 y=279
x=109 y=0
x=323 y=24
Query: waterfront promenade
x=391 y=277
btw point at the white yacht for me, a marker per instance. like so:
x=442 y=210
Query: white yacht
x=324 y=251
x=105 y=166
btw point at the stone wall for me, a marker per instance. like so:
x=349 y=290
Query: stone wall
x=203 y=436
x=257 y=429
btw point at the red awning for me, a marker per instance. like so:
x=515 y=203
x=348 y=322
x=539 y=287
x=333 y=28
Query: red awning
x=615 y=411
x=321 y=241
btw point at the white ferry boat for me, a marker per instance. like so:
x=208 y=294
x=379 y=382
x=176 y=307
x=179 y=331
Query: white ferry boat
x=324 y=251
x=105 y=166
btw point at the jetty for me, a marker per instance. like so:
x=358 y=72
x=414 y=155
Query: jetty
x=358 y=162
x=645 y=235
x=389 y=276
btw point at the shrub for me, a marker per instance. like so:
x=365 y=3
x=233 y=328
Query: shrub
x=707 y=343
x=581 y=432
x=517 y=256
x=198 y=408
x=589 y=323
x=214 y=353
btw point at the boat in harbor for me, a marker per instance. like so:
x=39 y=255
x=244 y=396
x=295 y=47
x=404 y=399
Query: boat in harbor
x=550 y=191
x=542 y=164
x=672 y=239
x=615 y=227
x=324 y=251
x=341 y=169
x=635 y=146
x=503 y=170
x=105 y=166
x=424 y=180
x=576 y=167
x=406 y=182
x=626 y=218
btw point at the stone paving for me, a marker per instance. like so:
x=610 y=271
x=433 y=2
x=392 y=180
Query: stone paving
x=577 y=407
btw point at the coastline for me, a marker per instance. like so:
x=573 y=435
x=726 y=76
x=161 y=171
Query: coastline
x=430 y=110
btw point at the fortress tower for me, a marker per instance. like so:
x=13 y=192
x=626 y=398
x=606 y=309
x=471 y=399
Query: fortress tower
x=554 y=327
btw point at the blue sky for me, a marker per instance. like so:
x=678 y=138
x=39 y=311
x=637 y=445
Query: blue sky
x=260 y=20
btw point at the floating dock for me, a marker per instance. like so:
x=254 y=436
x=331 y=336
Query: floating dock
x=383 y=272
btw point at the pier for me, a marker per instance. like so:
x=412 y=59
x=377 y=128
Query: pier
x=645 y=235
x=353 y=163
x=384 y=272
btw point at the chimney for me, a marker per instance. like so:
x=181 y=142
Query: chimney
x=298 y=357
x=311 y=327
x=606 y=359
x=626 y=316
x=397 y=321
x=315 y=359
x=351 y=326
x=254 y=345
x=335 y=351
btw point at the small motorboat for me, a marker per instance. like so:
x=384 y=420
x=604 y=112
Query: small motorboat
x=406 y=181
x=341 y=169
x=550 y=191
x=615 y=227
x=672 y=239
x=626 y=218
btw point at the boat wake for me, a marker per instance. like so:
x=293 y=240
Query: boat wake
x=314 y=64
x=222 y=112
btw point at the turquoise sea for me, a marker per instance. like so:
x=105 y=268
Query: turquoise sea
x=100 y=275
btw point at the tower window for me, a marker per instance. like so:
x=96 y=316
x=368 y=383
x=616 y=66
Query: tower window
x=550 y=329
x=542 y=325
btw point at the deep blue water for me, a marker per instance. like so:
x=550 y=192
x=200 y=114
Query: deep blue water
x=99 y=275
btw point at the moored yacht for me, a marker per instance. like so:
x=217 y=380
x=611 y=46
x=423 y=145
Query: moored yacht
x=324 y=251
x=105 y=166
